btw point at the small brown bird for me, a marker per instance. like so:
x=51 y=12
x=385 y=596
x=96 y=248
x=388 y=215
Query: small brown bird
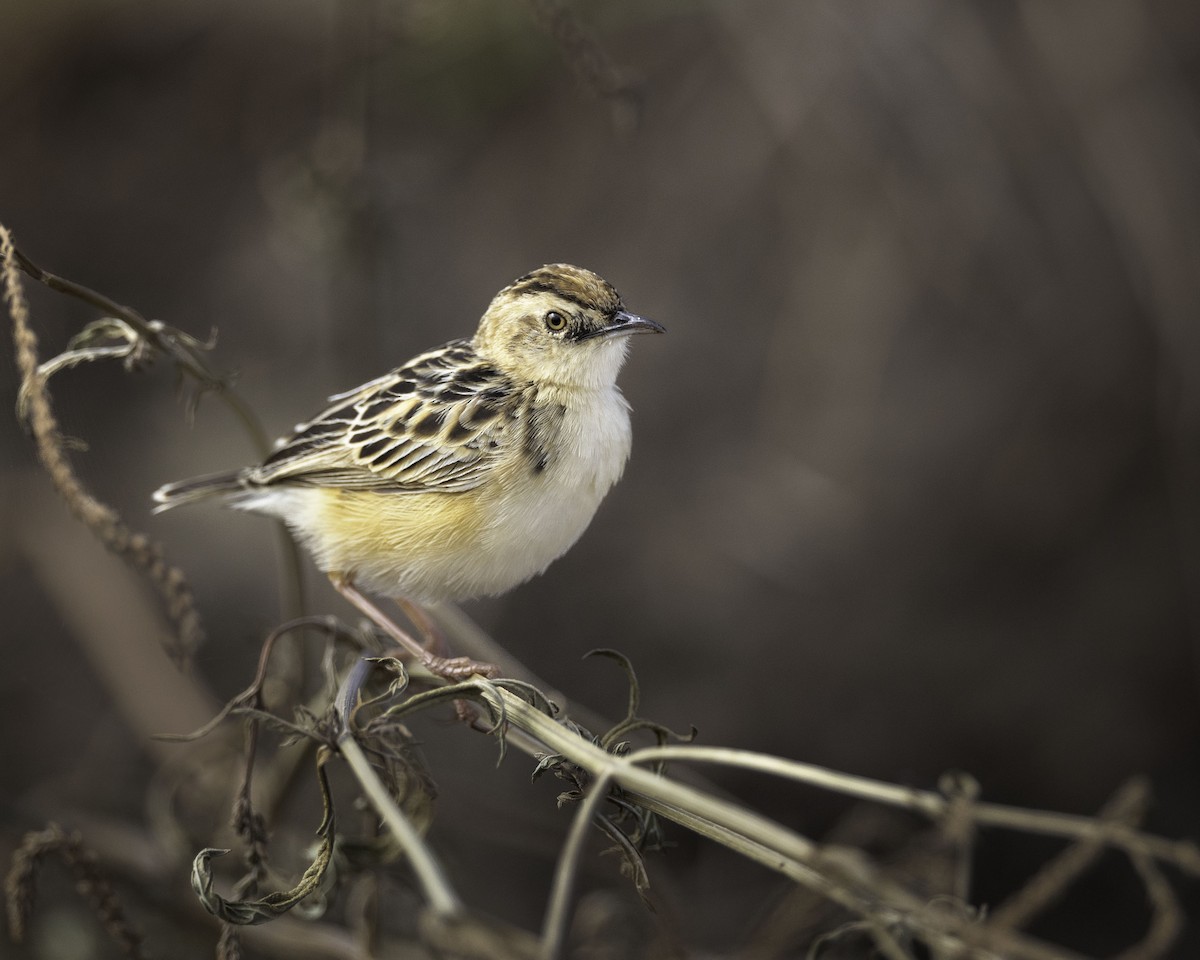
x=467 y=470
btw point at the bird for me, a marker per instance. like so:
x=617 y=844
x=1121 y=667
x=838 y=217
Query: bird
x=463 y=472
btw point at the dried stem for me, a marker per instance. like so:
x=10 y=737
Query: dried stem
x=842 y=876
x=434 y=883
x=19 y=886
x=151 y=337
x=157 y=335
x=136 y=549
x=1052 y=881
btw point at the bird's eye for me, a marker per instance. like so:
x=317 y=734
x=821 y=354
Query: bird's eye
x=555 y=321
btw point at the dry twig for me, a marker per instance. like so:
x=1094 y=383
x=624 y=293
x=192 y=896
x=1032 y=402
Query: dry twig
x=90 y=881
x=135 y=548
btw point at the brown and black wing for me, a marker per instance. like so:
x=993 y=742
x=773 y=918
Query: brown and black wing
x=435 y=424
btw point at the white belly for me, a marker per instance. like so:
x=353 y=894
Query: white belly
x=539 y=516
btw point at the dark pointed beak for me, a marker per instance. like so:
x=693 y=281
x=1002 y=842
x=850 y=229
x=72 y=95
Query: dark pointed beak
x=624 y=323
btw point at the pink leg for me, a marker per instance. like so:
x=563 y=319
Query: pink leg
x=452 y=668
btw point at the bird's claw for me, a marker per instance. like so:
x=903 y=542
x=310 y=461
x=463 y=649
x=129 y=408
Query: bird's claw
x=460 y=668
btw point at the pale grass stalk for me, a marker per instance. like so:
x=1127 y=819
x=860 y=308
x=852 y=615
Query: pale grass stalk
x=843 y=876
x=434 y=883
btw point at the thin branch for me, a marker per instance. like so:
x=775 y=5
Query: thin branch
x=844 y=876
x=435 y=884
x=1166 y=921
x=106 y=524
x=558 y=909
x=1183 y=854
x=181 y=349
x=151 y=336
x=90 y=881
x=1052 y=881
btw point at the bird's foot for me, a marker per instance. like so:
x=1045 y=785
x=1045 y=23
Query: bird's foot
x=455 y=669
x=458 y=668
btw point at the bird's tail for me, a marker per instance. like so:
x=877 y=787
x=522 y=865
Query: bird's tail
x=176 y=494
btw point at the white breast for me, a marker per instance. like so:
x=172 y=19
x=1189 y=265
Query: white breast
x=539 y=517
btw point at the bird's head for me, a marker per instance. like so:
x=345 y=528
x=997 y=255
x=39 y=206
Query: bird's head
x=560 y=325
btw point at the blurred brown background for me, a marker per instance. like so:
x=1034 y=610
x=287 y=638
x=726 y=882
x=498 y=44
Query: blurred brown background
x=915 y=473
